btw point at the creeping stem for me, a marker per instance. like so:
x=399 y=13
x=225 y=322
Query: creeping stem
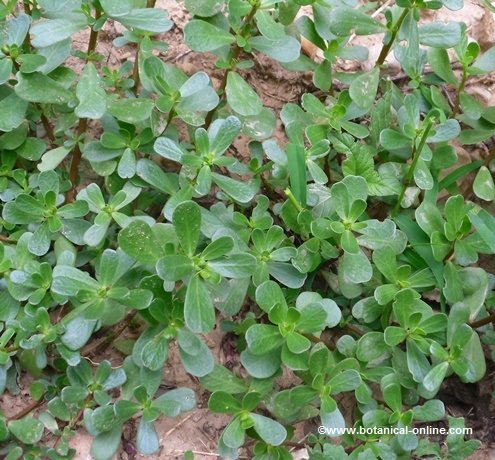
x=416 y=154
x=235 y=53
x=83 y=123
x=395 y=30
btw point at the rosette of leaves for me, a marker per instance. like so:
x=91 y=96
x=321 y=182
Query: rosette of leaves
x=462 y=355
x=451 y=234
x=243 y=421
x=166 y=325
x=325 y=378
x=197 y=169
x=394 y=415
x=150 y=407
x=46 y=212
x=109 y=295
x=108 y=212
x=274 y=253
x=346 y=210
x=288 y=338
x=124 y=145
x=250 y=26
x=187 y=263
x=26 y=278
x=187 y=98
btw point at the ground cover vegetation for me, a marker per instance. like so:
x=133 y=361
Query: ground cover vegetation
x=342 y=258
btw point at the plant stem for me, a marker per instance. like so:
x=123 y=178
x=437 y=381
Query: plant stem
x=460 y=89
x=416 y=154
x=83 y=124
x=483 y=321
x=387 y=47
x=135 y=72
x=27 y=10
x=110 y=336
x=28 y=409
x=6 y=239
x=48 y=127
x=235 y=53
x=293 y=199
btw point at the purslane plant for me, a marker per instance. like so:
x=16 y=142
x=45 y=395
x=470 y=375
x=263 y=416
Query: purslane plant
x=342 y=255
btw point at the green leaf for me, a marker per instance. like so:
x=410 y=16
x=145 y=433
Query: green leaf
x=394 y=335
x=151 y=173
x=263 y=338
x=12 y=113
x=199 y=364
x=167 y=148
x=233 y=436
x=485 y=226
x=203 y=36
x=235 y=265
x=269 y=430
x=243 y=192
x=434 y=378
x=241 y=97
x=483 y=185
x=27 y=430
x=69 y=281
x=187 y=224
x=225 y=132
x=283 y=50
x=297 y=171
x=430 y=411
x=106 y=444
x=147 y=441
x=91 y=95
x=440 y=64
x=217 y=248
x=198 y=307
x=49 y=32
x=51 y=159
x=393 y=140
x=131 y=110
x=204 y=8
x=139 y=241
x=371 y=346
x=269 y=294
x=221 y=379
x=174 y=267
x=223 y=402
x=440 y=34
x=486 y=62
x=36 y=87
x=155 y=352
x=343 y=21
x=356 y=268
x=363 y=88
x=153 y=20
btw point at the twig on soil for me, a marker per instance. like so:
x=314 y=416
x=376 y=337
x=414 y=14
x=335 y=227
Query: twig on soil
x=208 y=454
x=184 y=420
x=99 y=344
